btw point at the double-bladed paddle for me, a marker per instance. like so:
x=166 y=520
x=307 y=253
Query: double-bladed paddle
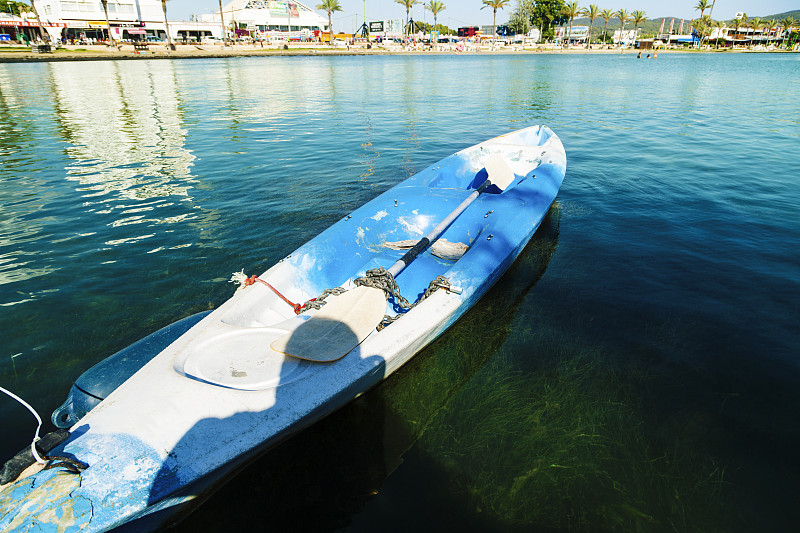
x=348 y=319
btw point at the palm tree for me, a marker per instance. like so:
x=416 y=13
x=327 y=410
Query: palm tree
x=330 y=7
x=638 y=17
x=222 y=21
x=435 y=7
x=703 y=27
x=622 y=15
x=755 y=23
x=108 y=24
x=592 y=12
x=495 y=5
x=736 y=23
x=408 y=4
x=606 y=15
x=166 y=25
x=39 y=21
x=571 y=10
x=718 y=24
x=701 y=6
x=775 y=25
x=788 y=24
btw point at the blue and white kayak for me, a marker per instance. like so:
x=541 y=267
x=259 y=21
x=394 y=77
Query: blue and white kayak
x=231 y=385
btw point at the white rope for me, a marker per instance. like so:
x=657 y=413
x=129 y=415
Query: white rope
x=238 y=277
x=38 y=419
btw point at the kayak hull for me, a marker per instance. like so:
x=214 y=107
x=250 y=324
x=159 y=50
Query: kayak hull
x=218 y=395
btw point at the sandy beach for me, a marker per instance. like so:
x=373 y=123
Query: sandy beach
x=188 y=51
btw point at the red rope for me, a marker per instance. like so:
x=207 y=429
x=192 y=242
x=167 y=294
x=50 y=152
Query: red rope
x=252 y=279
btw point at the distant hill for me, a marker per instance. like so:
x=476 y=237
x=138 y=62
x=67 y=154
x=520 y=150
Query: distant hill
x=780 y=16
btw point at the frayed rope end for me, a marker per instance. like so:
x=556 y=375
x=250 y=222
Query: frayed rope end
x=240 y=278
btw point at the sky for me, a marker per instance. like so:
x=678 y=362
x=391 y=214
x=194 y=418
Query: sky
x=469 y=12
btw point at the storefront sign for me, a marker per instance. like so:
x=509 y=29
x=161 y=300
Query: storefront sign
x=282 y=8
x=32 y=24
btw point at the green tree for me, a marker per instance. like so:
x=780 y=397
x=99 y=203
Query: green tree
x=408 y=4
x=495 y=5
x=571 y=10
x=592 y=12
x=520 y=21
x=330 y=7
x=170 y=44
x=15 y=8
x=606 y=15
x=425 y=27
x=546 y=14
x=622 y=15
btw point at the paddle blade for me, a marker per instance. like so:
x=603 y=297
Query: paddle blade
x=500 y=174
x=337 y=328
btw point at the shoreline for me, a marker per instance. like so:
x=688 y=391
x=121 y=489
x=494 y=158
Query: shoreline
x=127 y=52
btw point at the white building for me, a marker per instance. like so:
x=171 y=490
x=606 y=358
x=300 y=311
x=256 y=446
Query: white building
x=269 y=18
x=144 y=19
x=578 y=33
x=627 y=37
x=128 y=20
x=24 y=27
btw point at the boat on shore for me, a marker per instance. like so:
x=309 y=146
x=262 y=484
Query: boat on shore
x=225 y=386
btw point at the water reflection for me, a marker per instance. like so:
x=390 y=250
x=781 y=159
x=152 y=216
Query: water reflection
x=123 y=124
x=21 y=193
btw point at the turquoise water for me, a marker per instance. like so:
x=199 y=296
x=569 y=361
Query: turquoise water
x=637 y=369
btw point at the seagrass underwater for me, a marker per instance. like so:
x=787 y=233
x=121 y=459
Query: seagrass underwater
x=635 y=368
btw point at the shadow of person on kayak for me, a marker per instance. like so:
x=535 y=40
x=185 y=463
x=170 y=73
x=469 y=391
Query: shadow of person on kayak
x=341 y=466
x=214 y=448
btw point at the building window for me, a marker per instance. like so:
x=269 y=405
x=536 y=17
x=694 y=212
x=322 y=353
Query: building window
x=120 y=8
x=82 y=7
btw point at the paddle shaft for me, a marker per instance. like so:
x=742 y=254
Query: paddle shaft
x=436 y=232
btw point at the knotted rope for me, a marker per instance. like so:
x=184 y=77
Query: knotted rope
x=377 y=278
